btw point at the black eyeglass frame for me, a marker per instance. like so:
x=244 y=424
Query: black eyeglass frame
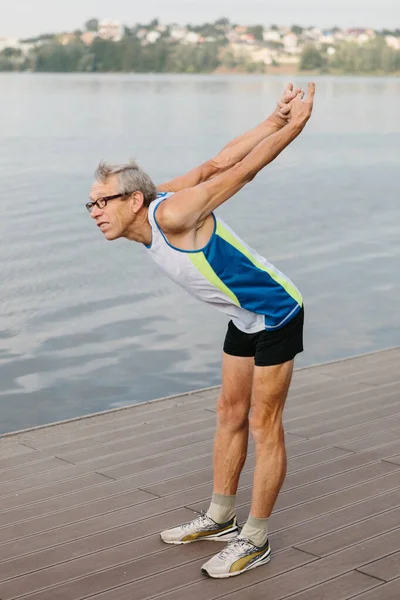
x=102 y=202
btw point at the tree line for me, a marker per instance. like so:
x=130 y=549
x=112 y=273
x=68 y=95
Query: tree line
x=374 y=56
x=164 y=56
x=127 y=55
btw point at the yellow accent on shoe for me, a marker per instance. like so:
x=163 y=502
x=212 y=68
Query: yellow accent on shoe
x=200 y=534
x=240 y=564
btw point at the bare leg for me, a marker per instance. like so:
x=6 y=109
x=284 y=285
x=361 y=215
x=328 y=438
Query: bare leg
x=270 y=389
x=231 y=439
x=251 y=548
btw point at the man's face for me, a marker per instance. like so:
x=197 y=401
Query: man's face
x=115 y=218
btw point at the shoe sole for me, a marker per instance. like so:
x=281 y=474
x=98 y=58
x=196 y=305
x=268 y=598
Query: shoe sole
x=226 y=575
x=209 y=538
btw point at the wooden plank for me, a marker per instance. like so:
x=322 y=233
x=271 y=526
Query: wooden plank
x=69 y=472
x=78 y=549
x=49 y=434
x=386 y=452
x=120 y=469
x=353 y=534
x=141 y=479
x=208 y=589
x=372 y=442
x=194 y=465
x=334 y=389
x=107 y=525
x=75 y=514
x=141 y=588
x=387 y=416
x=96 y=572
x=280 y=540
x=50 y=464
x=99 y=500
x=314 y=482
x=309 y=376
x=325 y=401
x=361 y=364
x=325 y=470
x=118 y=507
x=386 y=568
x=24 y=459
x=69 y=450
x=321 y=524
x=289 y=498
x=200 y=450
x=47 y=492
x=77 y=497
x=180 y=580
x=170 y=437
x=201 y=493
x=387 y=591
x=10 y=449
x=182 y=424
x=374 y=373
x=340 y=588
x=120 y=537
x=328 y=414
x=395 y=460
x=129 y=426
x=390 y=375
x=179 y=484
x=341 y=437
x=284 y=519
x=80 y=533
x=317 y=572
x=124 y=464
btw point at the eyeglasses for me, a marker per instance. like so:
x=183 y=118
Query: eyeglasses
x=102 y=202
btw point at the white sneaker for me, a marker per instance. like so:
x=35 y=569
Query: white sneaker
x=201 y=528
x=239 y=556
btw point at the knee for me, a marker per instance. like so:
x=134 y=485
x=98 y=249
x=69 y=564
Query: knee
x=232 y=414
x=266 y=427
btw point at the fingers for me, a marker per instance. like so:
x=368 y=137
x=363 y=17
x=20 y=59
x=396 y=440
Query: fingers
x=285 y=110
x=289 y=88
x=310 y=93
x=288 y=97
x=283 y=105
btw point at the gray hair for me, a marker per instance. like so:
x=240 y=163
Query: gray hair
x=131 y=179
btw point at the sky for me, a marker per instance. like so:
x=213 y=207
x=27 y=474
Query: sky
x=23 y=18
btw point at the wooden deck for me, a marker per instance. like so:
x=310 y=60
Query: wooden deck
x=81 y=503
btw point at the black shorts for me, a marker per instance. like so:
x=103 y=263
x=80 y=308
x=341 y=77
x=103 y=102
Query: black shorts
x=268 y=347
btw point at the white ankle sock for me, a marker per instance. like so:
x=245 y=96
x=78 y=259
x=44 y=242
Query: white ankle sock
x=222 y=508
x=255 y=530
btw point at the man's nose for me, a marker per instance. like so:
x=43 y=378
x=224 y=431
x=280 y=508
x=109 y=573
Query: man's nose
x=96 y=212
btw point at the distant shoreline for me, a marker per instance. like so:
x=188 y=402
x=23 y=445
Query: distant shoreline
x=287 y=70
x=293 y=71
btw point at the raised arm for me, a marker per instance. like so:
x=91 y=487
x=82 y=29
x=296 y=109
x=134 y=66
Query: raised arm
x=237 y=149
x=189 y=208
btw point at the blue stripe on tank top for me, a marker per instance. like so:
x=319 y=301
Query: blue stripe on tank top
x=255 y=289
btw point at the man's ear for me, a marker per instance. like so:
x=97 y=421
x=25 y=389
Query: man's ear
x=137 y=200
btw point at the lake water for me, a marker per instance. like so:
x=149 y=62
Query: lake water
x=87 y=325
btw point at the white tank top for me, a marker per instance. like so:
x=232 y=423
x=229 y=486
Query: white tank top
x=229 y=275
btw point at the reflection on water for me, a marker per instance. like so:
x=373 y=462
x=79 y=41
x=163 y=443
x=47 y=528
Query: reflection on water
x=86 y=325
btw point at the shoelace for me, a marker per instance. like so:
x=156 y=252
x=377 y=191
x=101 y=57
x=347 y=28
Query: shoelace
x=202 y=519
x=238 y=544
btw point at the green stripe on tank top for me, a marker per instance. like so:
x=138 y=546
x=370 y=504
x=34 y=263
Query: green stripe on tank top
x=201 y=263
x=287 y=286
